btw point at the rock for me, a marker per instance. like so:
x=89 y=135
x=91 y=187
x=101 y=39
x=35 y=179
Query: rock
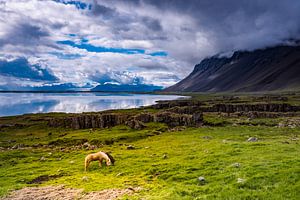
x=85 y=178
x=18 y=146
x=237 y=165
x=88 y=121
x=252 y=139
x=86 y=145
x=173 y=119
x=281 y=125
x=207 y=137
x=120 y=174
x=92 y=147
x=268 y=107
x=292 y=126
x=135 y=124
x=144 y=117
x=42 y=158
x=188 y=117
x=201 y=180
x=240 y=180
x=71 y=162
x=129 y=147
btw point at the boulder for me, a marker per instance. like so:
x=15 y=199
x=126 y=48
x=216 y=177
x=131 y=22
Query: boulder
x=135 y=124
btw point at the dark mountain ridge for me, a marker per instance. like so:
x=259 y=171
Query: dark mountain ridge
x=274 y=68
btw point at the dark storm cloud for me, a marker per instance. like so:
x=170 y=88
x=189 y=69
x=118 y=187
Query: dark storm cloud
x=239 y=24
x=23 y=34
x=124 y=24
x=151 y=23
x=98 y=9
x=153 y=66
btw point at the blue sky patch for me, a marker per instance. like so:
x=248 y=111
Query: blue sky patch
x=79 y=5
x=159 y=53
x=100 y=49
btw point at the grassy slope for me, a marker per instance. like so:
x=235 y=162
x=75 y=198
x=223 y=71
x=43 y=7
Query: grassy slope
x=270 y=167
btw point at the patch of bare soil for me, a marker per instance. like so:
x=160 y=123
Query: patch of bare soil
x=60 y=192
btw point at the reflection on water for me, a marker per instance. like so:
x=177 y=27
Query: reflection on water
x=21 y=103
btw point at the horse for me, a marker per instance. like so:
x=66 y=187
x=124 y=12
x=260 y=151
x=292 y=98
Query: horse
x=100 y=156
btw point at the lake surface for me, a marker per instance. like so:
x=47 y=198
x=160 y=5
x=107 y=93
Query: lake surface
x=22 y=103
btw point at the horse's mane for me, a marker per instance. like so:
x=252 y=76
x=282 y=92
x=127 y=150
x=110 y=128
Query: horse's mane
x=111 y=158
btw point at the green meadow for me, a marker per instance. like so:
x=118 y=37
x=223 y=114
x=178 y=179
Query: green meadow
x=164 y=163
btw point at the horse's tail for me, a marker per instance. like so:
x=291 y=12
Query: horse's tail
x=112 y=160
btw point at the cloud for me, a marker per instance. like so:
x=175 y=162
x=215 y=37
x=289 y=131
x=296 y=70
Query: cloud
x=23 y=34
x=157 y=41
x=21 y=68
x=116 y=77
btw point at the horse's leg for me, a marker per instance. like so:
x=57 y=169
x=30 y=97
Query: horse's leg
x=86 y=165
x=100 y=163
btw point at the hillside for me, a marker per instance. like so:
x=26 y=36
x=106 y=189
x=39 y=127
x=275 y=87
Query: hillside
x=125 y=88
x=276 y=68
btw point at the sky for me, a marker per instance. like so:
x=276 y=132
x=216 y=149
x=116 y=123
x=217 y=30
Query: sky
x=158 y=42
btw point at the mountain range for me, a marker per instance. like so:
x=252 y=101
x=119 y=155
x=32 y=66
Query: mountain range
x=269 y=69
x=126 y=88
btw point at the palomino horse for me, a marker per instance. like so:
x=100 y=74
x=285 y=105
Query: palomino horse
x=100 y=156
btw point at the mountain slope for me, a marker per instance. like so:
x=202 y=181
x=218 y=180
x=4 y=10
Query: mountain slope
x=276 y=68
x=125 y=88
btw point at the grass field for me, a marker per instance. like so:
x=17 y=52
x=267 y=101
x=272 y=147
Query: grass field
x=165 y=163
x=166 y=166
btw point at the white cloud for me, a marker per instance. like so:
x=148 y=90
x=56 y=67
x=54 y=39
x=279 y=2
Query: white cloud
x=187 y=30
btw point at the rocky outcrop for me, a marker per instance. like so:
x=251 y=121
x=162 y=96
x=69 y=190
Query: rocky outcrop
x=185 y=109
x=179 y=103
x=84 y=121
x=197 y=106
x=106 y=120
x=230 y=108
x=255 y=114
x=174 y=119
x=135 y=124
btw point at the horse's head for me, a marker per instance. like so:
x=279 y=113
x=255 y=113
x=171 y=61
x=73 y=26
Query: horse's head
x=110 y=160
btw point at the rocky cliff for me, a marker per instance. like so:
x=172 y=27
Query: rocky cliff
x=106 y=120
x=276 y=68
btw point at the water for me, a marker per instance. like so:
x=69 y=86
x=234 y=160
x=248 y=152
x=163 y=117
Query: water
x=22 y=103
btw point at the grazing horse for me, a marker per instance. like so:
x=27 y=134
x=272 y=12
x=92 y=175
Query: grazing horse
x=100 y=156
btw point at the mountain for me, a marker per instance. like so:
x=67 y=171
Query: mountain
x=274 y=68
x=126 y=88
x=44 y=88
